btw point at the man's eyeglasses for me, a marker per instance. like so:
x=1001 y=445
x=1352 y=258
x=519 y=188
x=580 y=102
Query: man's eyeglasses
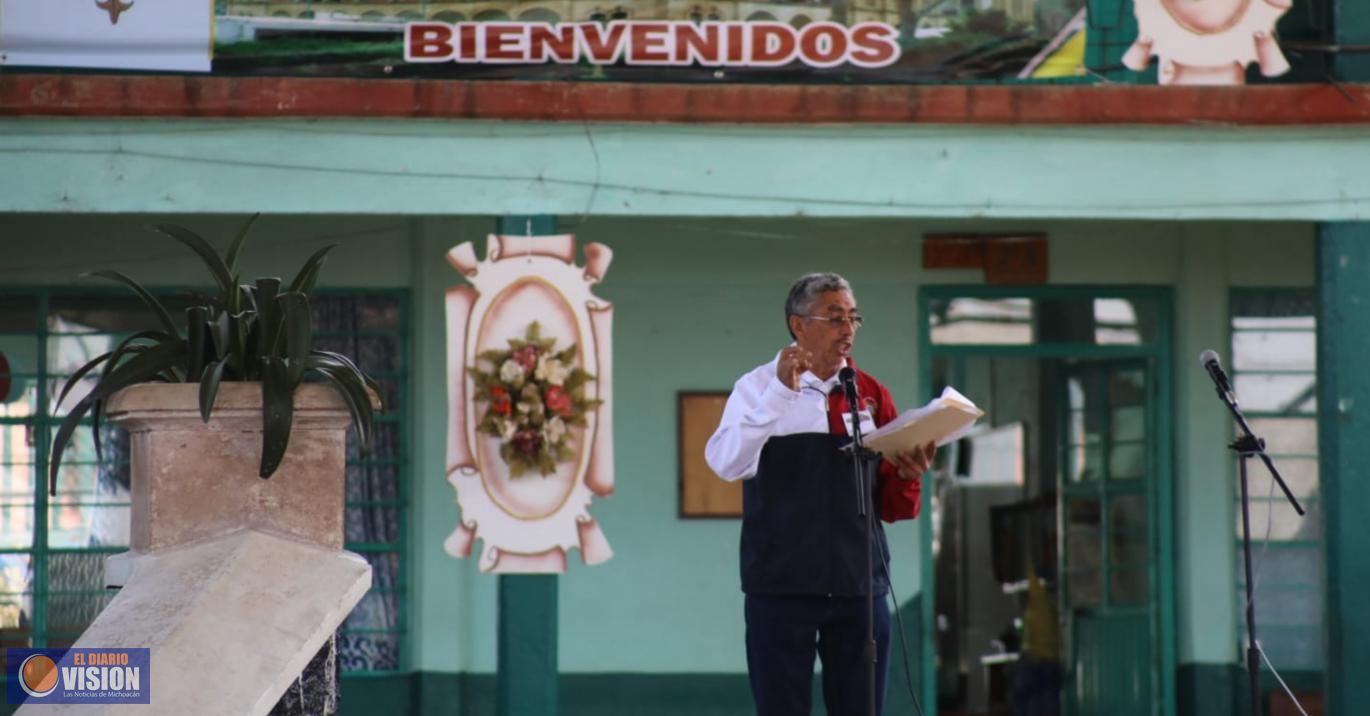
x=855 y=320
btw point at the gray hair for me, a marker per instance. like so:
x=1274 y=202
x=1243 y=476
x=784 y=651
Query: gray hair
x=807 y=289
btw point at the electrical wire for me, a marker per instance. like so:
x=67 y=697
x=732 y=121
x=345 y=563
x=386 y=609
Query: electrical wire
x=1283 y=685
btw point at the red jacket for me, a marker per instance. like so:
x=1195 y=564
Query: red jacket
x=899 y=499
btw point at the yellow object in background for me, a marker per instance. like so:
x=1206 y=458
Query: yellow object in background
x=1041 y=638
x=1067 y=61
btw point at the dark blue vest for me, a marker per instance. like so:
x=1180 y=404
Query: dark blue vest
x=801 y=531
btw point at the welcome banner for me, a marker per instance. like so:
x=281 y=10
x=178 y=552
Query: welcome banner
x=780 y=41
x=650 y=43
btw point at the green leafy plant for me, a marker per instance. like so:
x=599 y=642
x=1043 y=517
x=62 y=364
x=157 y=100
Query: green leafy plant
x=260 y=332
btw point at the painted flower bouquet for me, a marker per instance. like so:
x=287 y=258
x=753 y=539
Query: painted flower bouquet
x=534 y=394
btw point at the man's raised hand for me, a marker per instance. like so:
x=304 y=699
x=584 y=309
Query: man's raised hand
x=792 y=364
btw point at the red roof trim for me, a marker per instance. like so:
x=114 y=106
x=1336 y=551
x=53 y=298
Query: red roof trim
x=75 y=95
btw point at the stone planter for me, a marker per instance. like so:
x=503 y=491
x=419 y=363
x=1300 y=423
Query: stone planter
x=193 y=480
x=226 y=568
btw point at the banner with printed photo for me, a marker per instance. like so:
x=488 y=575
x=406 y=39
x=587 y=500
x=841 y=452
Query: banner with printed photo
x=699 y=41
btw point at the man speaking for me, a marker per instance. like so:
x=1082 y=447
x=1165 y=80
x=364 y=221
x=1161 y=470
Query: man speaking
x=803 y=552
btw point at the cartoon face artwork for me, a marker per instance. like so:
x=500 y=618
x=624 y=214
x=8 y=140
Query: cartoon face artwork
x=1207 y=42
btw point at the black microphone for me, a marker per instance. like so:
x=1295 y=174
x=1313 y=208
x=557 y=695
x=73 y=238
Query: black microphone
x=847 y=377
x=1209 y=360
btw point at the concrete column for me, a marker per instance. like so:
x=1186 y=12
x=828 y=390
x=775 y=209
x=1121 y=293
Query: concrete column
x=526 y=684
x=1343 y=421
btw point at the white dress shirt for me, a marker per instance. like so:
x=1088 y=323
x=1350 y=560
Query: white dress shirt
x=761 y=407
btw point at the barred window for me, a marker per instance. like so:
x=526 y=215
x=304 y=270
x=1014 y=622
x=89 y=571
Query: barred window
x=1274 y=359
x=52 y=548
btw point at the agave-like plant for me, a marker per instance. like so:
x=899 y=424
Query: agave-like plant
x=247 y=332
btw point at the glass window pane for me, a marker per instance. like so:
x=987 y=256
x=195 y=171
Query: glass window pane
x=385 y=569
x=1291 y=648
x=1085 y=390
x=377 y=312
x=21 y=402
x=15 y=614
x=1126 y=462
x=376 y=610
x=1129 y=424
x=1086 y=427
x=355 y=312
x=372 y=482
x=392 y=395
x=18 y=376
x=1128 y=530
x=368 y=651
x=372 y=524
x=1083 y=537
x=1281 y=350
x=76 y=582
x=75 y=525
x=373 y=354
x=980 y=321
x=1274 y=356
x=1286 y=605
x=1127 y=388
x=16 y=523
x=16 y=601
x=16 y=578
x=18 y=314
x=1277 y=306
x=1128 y=586
x=16 y=501
x=1300 y=474
x=1286 y=565
x=84 y=477
x=70 y=614
x=1276 y=393
x=1287 y=436
x=1128 y=512
x=1129 y=549
x=1084 y=463
x=1084 y=588
x=1116 y=322
x=118 y=314
x=1277 y=518
x=1022 y=321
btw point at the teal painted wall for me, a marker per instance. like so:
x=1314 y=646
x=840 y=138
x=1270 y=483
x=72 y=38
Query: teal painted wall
x=698 y=303
x=415 y=167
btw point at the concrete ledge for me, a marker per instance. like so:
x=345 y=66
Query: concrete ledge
x=230 y=621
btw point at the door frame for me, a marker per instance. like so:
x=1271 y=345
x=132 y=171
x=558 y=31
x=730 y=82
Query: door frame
x=1162 y=529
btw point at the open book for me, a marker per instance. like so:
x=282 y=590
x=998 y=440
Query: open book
x=945 y=418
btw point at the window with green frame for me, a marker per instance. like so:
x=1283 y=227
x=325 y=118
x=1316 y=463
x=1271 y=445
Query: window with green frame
x=1274 y=358
x=52 y=548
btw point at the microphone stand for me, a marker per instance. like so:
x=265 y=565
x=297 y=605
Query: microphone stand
x=1247 y=445
x=865 y=508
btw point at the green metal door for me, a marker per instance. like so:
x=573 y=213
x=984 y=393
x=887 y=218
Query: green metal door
x=1101 y=451
x=1106 y=487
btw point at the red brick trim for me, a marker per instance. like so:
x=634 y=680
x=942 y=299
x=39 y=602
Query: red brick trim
x=75 y=95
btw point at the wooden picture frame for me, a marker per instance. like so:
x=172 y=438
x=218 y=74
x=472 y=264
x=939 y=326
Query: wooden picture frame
x=702 y=495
